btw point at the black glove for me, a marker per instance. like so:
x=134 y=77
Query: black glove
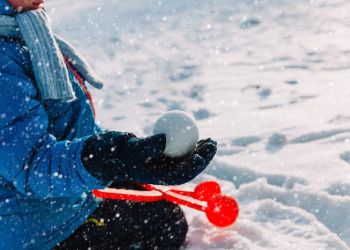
x=119 y=156
x=165 y=170
x=124 y=157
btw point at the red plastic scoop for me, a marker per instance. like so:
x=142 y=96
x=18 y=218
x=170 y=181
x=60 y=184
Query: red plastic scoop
x=221 y=210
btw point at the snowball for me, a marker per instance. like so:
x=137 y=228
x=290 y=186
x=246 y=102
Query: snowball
x=181 y=133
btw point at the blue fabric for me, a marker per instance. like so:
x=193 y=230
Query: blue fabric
x=44 y=188
x=5 y=8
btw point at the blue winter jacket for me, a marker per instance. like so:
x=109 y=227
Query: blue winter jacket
x=44 y=188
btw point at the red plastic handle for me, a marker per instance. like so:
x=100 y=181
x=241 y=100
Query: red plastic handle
x=130 y=195
x=221 y=210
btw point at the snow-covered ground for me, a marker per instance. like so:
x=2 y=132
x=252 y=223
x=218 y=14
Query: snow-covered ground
x=267 y=79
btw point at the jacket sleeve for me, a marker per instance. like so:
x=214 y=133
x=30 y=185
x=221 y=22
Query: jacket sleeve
x=35 y=162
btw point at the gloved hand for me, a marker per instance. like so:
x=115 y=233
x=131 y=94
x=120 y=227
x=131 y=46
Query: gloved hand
x=165 y=170
x=119 y=156
x=124 y=157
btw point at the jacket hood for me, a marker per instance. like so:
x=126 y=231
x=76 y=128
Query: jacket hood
x=5 y=8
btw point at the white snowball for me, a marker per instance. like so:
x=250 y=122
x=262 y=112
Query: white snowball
x=181 y=132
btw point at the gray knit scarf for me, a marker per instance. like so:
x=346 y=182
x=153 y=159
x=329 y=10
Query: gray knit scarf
x=47 y=53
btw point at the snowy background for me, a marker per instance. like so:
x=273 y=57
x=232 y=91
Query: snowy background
x=269 y=80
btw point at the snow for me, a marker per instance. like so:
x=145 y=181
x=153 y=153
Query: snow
x=181 y=132
x=268 y=79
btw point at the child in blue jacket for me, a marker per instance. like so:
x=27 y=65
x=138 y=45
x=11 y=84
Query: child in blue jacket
x=52 y=154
